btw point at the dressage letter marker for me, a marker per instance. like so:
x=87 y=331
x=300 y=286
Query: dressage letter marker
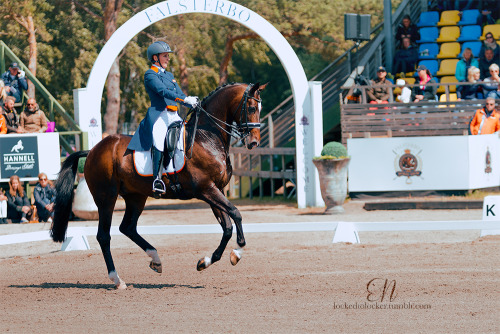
x=490 y=205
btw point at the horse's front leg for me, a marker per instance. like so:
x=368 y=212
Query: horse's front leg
x=223 y=211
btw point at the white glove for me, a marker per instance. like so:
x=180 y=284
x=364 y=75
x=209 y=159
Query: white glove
x=192 y=100
x=21 y=74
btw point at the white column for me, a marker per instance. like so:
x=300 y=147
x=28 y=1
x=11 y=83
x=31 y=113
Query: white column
x=315 y=89
x=308 y=144
x=87 y=116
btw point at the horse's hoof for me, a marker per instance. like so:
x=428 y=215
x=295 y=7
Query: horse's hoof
x=203 y=263
x=155 y=266
x=121 y=285
x=236 y=256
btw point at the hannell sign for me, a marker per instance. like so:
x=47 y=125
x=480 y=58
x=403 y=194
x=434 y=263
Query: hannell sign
x=19 y=157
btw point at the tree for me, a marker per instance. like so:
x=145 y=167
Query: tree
x=29 y=15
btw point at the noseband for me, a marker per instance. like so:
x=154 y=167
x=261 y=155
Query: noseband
x=243 y=129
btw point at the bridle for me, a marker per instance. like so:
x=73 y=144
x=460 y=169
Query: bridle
x=243 y=129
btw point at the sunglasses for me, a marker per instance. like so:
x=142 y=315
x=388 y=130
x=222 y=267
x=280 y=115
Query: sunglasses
x=489 y=36
x=490 y=104
x=30 y=104
x=42 y=179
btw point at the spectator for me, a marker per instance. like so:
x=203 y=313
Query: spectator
x=405 y=95
x=45 y=196
x=464 y=64
x=491 y=84
x=486 y=62
x=3 y=93
x=3 y=207
x=15 y=81
x=424 y=92
x=18 y=208
x=490 y=43
x=381 y=94
x=486 y=120
x=32 y=118
x=11 y=117
x=471 y=92
x=3 y=125
x=405 y=58
x=407 y=29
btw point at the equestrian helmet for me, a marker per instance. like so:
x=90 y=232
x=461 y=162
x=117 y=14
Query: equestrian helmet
x=157 y=48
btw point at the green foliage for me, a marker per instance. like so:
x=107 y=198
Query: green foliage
x=70 y=34
x=333 y=150
x=81 y=164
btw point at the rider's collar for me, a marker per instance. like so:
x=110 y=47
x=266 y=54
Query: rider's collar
x=159 y=67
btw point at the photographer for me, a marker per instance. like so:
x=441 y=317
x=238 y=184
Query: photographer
x=15 y=81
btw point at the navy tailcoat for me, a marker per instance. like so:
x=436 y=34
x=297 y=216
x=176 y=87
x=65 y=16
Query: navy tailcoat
x=164 y=93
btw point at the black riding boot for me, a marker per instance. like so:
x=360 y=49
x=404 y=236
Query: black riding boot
x=158 y=185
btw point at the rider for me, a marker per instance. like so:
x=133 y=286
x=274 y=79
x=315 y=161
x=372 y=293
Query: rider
x=164 y=93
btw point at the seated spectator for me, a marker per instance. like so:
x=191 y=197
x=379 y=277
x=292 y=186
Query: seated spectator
x=405 y=95
x=3 y=93
x=405 y=58
x=490 y=43
x=45 y=196
x=15 y=81
x=464 y=64
x=11 y=117
x=18 y=208
x=381 y=94
x=424 y=92
x=471 y=92
x=491 y=85
x=3 y=207
x=486 y=120
x=486 y=62
x=407 y=29
x=32 y=118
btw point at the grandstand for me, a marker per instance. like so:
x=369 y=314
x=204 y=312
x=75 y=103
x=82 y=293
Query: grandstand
x=444 y=36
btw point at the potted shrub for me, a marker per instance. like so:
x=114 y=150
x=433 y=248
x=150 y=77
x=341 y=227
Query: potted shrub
x=332 y=169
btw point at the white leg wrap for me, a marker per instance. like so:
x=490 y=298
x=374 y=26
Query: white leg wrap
x=117 y=280
x=153 y=254
x=208 y=261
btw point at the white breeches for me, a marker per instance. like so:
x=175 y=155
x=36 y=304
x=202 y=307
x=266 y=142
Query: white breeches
x=3 y=209
x=160 y=127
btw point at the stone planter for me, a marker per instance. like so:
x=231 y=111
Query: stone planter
x=83 y=203
x=333 y=182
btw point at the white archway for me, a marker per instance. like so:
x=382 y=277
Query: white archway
x=88 y=100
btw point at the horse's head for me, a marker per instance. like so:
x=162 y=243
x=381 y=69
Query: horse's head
x=249 y=117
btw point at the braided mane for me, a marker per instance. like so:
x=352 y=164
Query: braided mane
x=205 y=99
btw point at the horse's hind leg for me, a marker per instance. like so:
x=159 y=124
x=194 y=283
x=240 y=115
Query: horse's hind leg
x=223 y=210
x=134 y=207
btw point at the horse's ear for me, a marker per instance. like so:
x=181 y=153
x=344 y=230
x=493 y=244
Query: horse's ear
x=254 y=88
x=262 y=87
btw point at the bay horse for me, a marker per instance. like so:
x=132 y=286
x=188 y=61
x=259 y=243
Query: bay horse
x=109 y=172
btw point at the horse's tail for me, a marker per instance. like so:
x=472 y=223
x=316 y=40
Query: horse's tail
x=64 y=198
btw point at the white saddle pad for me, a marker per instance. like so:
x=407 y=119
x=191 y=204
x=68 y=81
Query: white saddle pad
x=144 y=164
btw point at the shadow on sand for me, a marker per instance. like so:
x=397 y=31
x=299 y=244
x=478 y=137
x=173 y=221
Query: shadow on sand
x=103 y=286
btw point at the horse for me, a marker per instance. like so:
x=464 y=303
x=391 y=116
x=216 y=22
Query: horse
x=109 y=171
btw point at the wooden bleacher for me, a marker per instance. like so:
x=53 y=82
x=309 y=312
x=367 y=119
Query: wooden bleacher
x=396 y=119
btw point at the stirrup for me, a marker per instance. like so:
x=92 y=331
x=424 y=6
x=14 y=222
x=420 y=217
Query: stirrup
x=159 y=186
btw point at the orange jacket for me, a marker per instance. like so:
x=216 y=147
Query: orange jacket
x=3 y=125
x=491 y=124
